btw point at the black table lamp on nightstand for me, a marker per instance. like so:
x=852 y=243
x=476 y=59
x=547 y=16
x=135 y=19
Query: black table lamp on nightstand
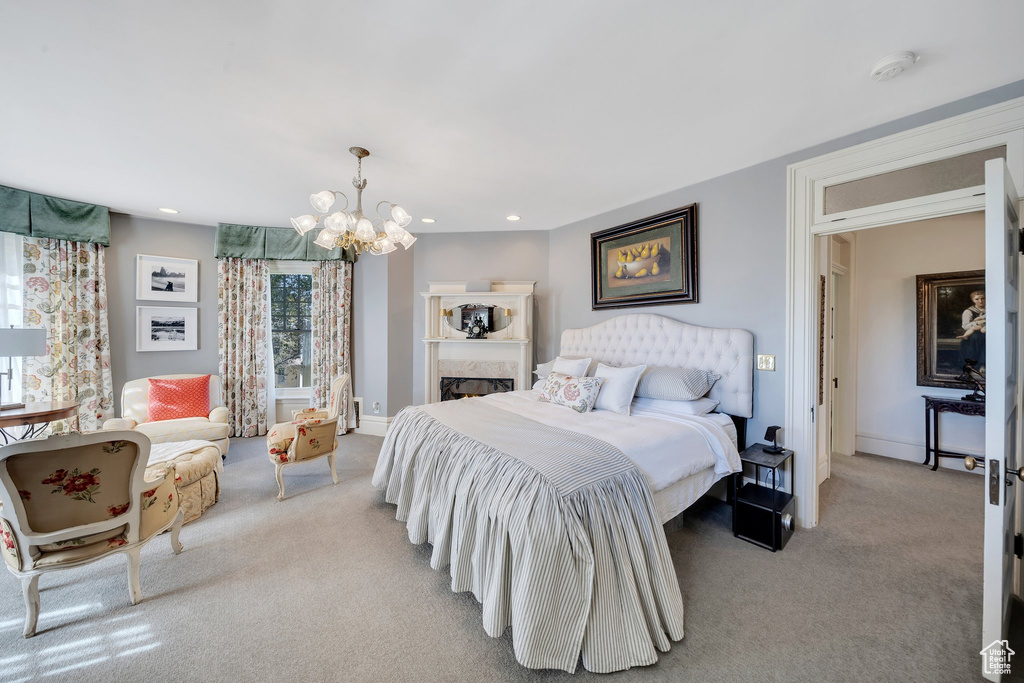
x=772 y=434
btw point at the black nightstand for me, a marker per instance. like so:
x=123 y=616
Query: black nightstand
x=760 y=514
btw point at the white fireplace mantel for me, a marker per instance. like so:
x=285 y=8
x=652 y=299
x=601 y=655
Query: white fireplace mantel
x=506 y=354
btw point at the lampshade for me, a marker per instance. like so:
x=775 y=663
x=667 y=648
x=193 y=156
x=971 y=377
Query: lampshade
x=407 y=240
x=22 y=342
x=322 y=201
x=339 y=221
x=304 y=224
x=401 y=216
x=364 y=230
x=325 y=239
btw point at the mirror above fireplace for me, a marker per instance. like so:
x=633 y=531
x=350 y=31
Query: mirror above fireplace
x=491 y=317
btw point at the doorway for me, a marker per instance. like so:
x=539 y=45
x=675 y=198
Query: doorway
x=942 y=146
x=872 y=395
x=841 y=351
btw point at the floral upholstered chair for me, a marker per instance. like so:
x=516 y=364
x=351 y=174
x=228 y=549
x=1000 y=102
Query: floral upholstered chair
x=312 y=435
x=73 y=499
x=337 y=405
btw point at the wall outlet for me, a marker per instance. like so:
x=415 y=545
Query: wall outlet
x=376 y=406
x=766 y=361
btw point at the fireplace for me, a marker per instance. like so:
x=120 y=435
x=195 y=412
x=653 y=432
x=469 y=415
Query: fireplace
x=454 y=388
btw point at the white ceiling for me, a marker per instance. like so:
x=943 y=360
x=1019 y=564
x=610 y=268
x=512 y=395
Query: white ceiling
x=237 y=110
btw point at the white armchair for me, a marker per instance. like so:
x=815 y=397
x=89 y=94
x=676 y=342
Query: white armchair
x=135 y=415
x=73 y=499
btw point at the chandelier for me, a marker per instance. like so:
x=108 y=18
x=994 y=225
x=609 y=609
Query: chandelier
x=346 y=229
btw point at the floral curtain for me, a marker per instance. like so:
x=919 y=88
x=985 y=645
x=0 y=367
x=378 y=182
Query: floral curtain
x=66 y=295
x=331 y=330
x=242 y=286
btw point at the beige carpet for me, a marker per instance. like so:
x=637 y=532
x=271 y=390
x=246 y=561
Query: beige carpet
x=325 y=586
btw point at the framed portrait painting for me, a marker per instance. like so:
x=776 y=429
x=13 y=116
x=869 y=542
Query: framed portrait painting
x=166 y=278
x=648 y=262
x=950 y=327
x=166 y=329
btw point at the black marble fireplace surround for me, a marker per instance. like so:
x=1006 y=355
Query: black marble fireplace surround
x=454 y=388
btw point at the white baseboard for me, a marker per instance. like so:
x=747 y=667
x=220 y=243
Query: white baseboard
x=375 y=425
x=910 y=451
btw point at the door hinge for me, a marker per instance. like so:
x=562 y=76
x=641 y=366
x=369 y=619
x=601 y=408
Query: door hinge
x=1020 y=241
x=1018 y=546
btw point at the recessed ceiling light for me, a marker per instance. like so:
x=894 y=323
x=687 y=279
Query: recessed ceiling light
x=513 y=217
x=164 y=209
x=427 y=220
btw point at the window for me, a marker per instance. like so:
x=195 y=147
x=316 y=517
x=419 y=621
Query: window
x=290 y=323
x=11 y=292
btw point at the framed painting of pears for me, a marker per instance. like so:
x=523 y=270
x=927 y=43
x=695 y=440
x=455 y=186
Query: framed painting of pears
x=649 y=262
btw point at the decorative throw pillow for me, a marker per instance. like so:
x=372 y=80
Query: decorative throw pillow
x=170 y=399
x=578 y=393
x=675 y=384
x=619 y=387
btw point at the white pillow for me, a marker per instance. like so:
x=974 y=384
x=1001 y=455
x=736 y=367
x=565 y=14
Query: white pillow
x=539 y=384
x=544 y=369
x=574 y=367
x=618 y=388
x=656 y=407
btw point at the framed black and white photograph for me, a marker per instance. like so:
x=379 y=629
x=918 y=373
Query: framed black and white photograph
x=166 y=329
x=166 y=278
x=950 y=327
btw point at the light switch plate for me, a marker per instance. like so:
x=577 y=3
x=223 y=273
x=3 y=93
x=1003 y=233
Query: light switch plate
x=766 y=361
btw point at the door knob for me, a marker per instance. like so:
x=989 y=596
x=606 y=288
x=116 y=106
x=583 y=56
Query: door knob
x=970 y=462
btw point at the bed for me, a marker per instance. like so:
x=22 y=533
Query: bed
x=553 y=519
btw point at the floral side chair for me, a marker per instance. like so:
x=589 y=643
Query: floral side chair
x=73 y=499
x=311 y=435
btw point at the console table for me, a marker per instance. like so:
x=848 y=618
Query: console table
x=35 y=417
x=933 y=405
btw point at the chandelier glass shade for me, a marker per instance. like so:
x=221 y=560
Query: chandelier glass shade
x=346 y=229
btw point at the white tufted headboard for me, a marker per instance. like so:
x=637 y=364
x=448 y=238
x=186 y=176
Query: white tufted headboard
x=656 y=340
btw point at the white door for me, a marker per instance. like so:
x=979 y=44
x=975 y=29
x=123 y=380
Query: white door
x=1002 y=402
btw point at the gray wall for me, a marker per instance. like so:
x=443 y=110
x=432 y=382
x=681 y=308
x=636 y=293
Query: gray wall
x=520 y=255
x=369 y=331
x=130 y=236
x=402 y=304
x=742 y=258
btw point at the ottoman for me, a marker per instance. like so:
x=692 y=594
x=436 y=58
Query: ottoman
x=197 y=477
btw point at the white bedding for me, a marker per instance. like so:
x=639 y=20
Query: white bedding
x=666 y=448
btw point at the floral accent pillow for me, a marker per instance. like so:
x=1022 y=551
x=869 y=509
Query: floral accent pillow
x=578 y=393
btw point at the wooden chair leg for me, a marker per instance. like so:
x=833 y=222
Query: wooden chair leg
x=179 y=519
x=134 y=584
x=280 y=482
x=334 y=473
x=30 y=591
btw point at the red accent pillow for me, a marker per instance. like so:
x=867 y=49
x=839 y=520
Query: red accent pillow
x=170 y=399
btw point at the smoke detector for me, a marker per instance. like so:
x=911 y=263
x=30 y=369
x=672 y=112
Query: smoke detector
x=891 y=66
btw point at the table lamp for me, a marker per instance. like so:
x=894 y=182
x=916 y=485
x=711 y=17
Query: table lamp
x=18 y=343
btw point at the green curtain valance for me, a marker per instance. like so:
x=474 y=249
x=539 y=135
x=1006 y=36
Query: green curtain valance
x=36 y=215
x=274 y=244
